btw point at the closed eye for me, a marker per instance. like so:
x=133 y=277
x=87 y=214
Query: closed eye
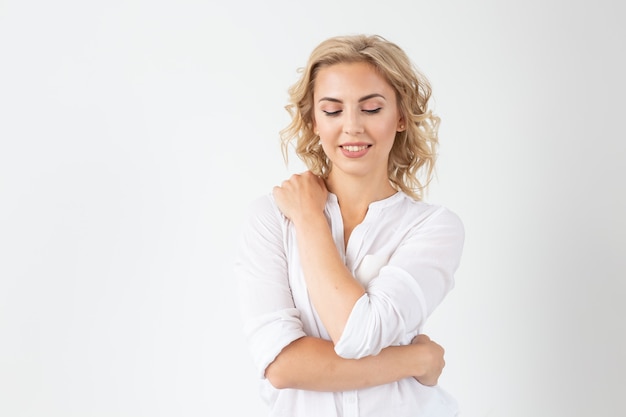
x=373 y=111
x=331 y=113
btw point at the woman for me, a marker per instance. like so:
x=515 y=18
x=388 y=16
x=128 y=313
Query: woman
x=340 y=266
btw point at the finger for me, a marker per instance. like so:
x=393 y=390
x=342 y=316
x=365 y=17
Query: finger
x=288 y=183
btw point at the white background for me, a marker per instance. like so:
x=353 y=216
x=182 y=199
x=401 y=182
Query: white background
x=134 y=133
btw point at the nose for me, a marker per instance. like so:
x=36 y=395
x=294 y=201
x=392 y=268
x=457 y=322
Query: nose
x=353 y=125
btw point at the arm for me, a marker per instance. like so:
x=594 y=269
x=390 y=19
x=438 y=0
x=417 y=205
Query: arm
x=331 y=286
x=312 y=364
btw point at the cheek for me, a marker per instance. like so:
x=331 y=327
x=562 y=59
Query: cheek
x=387 y=131
x=324 y=125
x=326 y=146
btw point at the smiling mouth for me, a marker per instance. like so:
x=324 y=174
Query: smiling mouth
x=354 y=148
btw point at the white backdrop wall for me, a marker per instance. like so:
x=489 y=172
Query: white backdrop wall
x=134 y=133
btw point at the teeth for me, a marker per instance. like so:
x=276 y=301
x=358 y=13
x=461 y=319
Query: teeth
x=354 y=148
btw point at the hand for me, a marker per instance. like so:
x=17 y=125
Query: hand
x=301 y=195
x=431 y=355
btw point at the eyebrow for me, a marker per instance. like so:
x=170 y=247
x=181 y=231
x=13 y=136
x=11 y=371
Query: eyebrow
x=364 y=98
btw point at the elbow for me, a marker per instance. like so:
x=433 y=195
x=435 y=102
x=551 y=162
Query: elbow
x=362 y=333
x=277 y=377
x=361 y=339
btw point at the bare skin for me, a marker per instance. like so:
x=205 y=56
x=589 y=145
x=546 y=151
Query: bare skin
x=310 y=363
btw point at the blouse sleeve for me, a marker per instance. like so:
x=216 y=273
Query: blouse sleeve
x=418 y=276
x=270 y=319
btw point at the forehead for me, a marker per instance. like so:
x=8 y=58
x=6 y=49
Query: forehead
x=354 y=78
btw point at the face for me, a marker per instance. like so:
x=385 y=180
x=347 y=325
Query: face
x=356 y=117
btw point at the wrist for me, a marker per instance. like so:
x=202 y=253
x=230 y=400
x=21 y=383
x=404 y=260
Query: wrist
x=418 y=360
x=406 y=359
x=309 y=220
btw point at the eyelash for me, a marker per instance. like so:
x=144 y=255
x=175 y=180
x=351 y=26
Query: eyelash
x=373 y=111
x=336 y=113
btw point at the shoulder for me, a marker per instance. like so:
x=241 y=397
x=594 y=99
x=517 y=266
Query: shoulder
x=446 y=216
x=263 y=211
x=436 y=215
x=261 y=204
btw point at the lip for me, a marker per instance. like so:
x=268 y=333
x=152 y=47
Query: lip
x=355 y=149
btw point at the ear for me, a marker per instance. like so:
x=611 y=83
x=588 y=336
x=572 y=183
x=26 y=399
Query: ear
x=401 y=127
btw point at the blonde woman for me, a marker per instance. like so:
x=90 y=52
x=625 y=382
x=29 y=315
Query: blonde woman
x=340 y=266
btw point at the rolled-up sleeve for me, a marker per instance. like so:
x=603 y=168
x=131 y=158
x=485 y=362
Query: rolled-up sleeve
x=418 y=276
x=270 y=318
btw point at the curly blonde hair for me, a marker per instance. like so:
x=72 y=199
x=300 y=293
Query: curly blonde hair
x=414 y=151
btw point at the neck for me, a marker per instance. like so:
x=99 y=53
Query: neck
x=356 y=194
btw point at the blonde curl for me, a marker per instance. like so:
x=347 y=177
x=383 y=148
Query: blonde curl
x=414 y=152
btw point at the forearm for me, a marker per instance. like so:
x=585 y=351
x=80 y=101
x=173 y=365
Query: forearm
x=331 y=286
x=311 y=364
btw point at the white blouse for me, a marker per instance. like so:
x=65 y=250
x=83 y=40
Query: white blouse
x=405 y=254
